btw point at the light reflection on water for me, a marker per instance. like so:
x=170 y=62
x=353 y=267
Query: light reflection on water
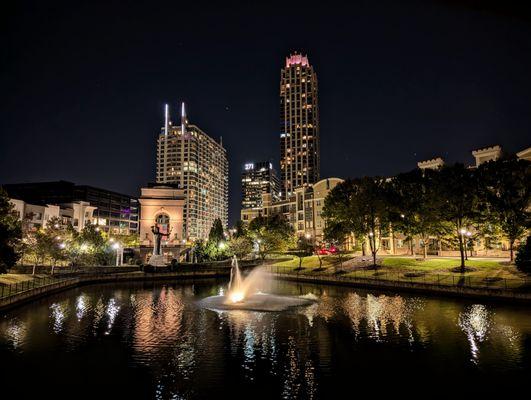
x=192 y=352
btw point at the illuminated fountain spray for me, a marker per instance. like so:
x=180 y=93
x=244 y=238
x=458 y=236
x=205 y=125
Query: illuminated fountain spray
x=249 y=293
x=236 y=292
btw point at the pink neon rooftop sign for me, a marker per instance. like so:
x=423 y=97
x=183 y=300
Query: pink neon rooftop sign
x=297 y=59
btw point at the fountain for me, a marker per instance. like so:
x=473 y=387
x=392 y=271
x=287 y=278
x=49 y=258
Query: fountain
x=248 y=294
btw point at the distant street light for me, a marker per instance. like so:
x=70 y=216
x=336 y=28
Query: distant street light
x=464 y=232
x=119 y=254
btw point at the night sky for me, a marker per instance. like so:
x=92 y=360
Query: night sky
x=84 y=83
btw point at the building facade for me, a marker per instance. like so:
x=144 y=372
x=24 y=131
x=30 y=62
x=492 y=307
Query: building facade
x=162 y=205
x=35 y=216
x=113 y=212
x=302 y=208
x=257 y=179
x=299 y=125
x=196 y=163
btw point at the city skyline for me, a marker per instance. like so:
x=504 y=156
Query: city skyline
x=89 y=111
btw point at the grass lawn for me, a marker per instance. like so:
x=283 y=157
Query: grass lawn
x=8 y=279
x=311 y=262
x=403 y=268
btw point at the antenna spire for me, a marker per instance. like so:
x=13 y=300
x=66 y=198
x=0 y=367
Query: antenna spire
x=183 y=119
x=166 y=117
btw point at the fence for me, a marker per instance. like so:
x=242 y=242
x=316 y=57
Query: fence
x=413 y=277
x=7 y=290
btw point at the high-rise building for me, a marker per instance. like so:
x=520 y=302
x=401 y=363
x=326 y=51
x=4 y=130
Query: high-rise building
x=299 y=125
x=196 y=163
x=259 y=178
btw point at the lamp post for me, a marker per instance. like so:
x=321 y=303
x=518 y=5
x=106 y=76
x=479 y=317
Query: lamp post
x=468 y=234
x=463 y=231
x=119 y=254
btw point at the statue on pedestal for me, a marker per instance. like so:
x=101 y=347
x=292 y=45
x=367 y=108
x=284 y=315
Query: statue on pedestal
x=157 y=239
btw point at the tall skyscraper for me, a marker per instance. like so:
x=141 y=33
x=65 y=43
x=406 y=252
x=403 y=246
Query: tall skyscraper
x=257 y=179
x=299 y=125
x=192 y=160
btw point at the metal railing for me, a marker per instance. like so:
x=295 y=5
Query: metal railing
x=7 y=290
x=410 y=276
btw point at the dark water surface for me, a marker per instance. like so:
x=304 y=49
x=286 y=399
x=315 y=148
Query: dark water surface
x=153 y=341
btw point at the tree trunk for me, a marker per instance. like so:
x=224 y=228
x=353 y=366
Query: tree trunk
x=461 y=251
x=511 y=250
x=425 y=249
x=374 y=258
x=411 y=246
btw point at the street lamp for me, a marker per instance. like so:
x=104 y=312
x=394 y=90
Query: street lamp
x=468 y=234
x=463 y=231
x=119 y=254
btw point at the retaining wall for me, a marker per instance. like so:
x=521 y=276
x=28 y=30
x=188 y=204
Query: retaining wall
x=68 y=283
x=426 y=288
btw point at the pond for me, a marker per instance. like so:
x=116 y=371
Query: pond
x=155 y=341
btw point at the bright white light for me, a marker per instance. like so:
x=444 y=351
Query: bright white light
x=222 y=245
x=62 y=245
x=462 y=231
x=84 y=247
x=236 y=297
x=116 y=246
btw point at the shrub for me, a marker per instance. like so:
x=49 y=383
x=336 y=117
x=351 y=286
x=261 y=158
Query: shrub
x=523 y=257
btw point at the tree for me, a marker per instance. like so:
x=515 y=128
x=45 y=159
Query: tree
x=277 y=223
x=39 y=244
x=523 y=256
x=241 y=229
x=412 y=202
x=272 y=234
x=271 y=242
x=10 y=234
x=456 y=193
x=304 y=248
x=359 y=206
x=335 y=233
x=56 y=232
x=216 y=234
x=198 y=252
x=505 y=187
x=240 y=246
